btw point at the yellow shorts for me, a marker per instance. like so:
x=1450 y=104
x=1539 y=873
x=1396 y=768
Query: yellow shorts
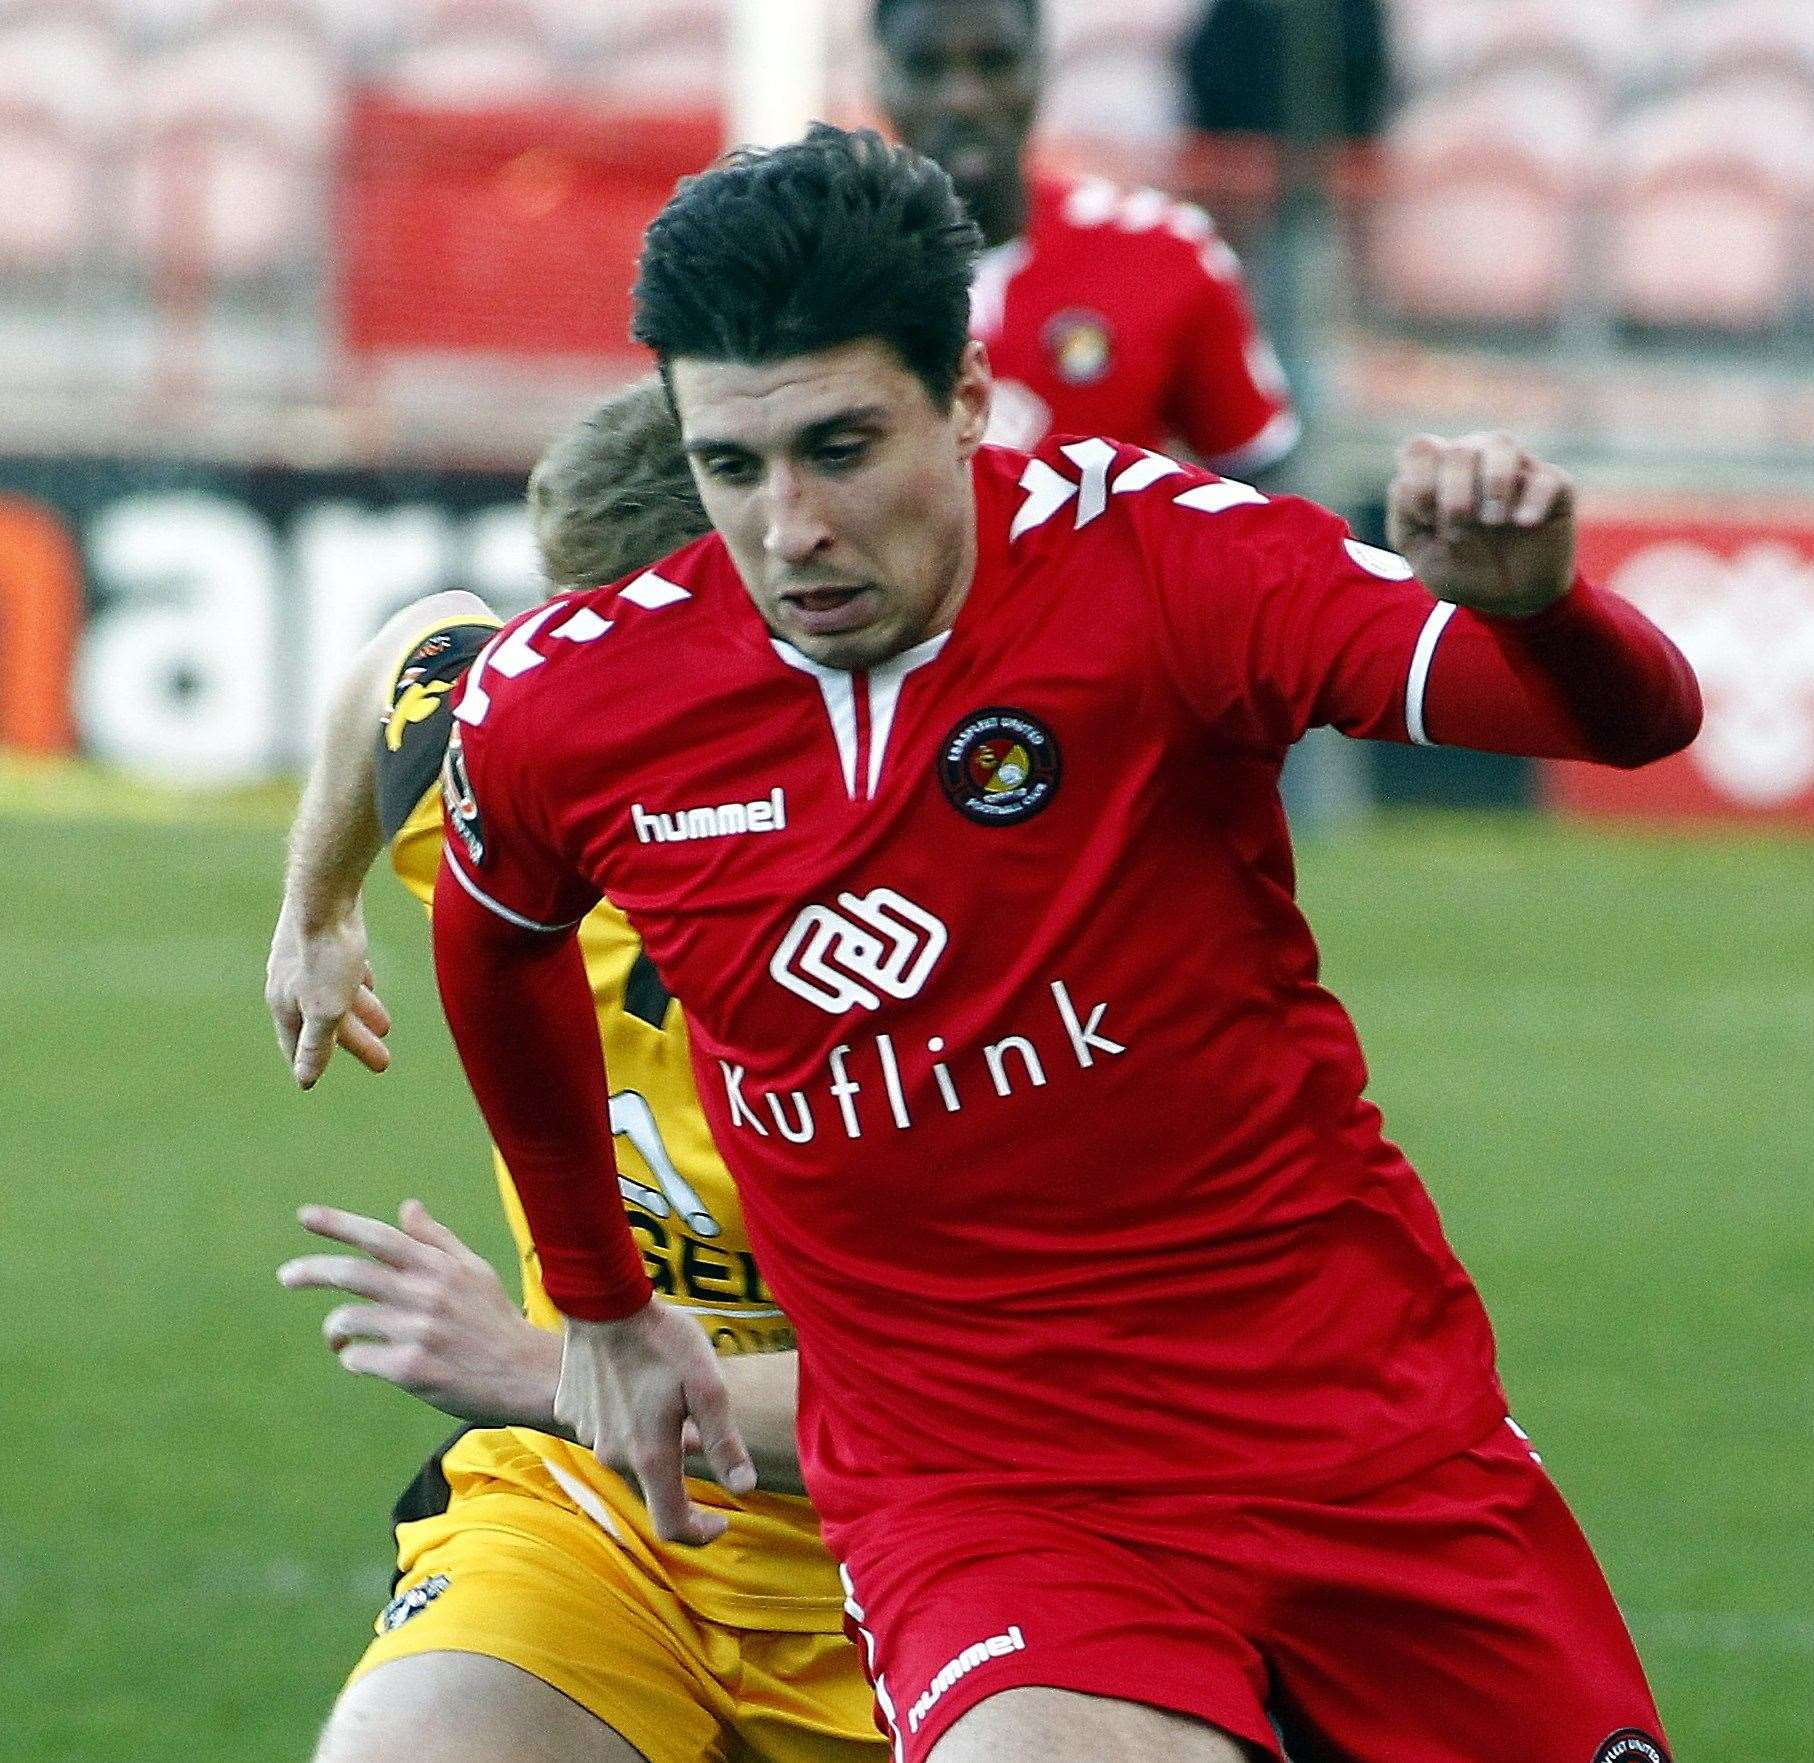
x=521 y=1574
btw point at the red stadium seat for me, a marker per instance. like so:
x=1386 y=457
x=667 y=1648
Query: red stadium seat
x=1705 y=202
x=1479 y=212
x=1114 y=69
x=532 y=217
x=47 y=223
x=222 y=200
x=473 y=52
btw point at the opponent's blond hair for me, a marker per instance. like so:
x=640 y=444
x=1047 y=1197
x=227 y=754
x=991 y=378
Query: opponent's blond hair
x=613 y=494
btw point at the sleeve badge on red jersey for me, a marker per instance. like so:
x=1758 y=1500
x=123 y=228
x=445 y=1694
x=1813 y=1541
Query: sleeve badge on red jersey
x=1081 y=345
x=999 y=766
x=462 y=806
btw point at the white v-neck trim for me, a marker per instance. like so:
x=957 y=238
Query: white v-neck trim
x=838 y=688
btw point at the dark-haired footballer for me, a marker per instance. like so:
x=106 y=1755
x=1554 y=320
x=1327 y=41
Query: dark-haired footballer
x=1137 y=1381
x=536 y=1614
x=1105 y=311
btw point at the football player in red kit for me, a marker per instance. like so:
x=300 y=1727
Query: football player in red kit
x=1105 y=311
x=1139 y=1389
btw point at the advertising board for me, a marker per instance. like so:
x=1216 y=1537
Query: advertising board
x=188 y=622
x=1734 y=587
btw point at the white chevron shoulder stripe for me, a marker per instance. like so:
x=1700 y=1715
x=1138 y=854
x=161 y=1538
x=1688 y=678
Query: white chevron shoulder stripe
x=1049 y=491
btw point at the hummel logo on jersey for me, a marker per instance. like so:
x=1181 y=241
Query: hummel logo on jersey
x=767 y=814
x=879 y=944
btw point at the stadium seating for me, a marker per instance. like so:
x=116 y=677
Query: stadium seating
x=663 y=51
x=62 y=61
x=269 y=67
x=60 y=72
x=1114 y=69
x=1706 y=199
x=231 y=126
x=1740 y=45
x=1643 y=160
x=475 y=51
x=1599 y=44
x=48 y=222
x=1479 y=211
x=1671 y=138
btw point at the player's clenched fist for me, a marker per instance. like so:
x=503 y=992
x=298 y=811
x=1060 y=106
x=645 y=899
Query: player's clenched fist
x=629 y=1390
x=1484 y=522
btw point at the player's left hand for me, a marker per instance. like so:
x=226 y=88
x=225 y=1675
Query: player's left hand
x=318 y=988
x=1484 y=522
x=643 y=1392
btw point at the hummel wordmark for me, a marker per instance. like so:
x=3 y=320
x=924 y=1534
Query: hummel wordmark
x=767 y=814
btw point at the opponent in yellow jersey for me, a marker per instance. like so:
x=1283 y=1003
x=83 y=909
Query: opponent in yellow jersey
x=519 y=1547
x=770 y=1569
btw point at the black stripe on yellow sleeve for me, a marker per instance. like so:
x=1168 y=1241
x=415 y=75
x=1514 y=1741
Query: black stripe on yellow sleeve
x=645 y=996
x=412 y=741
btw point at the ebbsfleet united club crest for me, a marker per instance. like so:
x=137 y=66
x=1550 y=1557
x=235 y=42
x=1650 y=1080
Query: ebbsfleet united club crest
x=1080 y=345
x=999 y=766
x=1630 y=1745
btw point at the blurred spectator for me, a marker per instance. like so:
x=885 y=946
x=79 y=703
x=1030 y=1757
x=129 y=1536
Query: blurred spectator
x=1235 y=66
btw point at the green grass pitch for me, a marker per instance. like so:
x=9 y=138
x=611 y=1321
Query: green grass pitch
x=1600 y=1052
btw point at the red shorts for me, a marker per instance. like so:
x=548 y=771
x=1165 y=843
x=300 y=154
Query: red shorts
x=1457 y=1616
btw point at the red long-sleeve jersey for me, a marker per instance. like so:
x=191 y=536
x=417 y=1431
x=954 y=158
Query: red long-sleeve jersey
x=1122 y=313
x=1007 y=1023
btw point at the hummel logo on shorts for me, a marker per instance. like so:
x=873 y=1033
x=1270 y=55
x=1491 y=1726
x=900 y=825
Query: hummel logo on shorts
x=997 y=1646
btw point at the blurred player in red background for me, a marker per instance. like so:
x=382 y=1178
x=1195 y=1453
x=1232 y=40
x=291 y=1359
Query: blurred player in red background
x=1104 y=311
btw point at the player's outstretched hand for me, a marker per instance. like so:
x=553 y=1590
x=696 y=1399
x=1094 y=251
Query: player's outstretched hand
x=438 y=1322
x=318 y=987
x=628 y=1390
x=1484 y=522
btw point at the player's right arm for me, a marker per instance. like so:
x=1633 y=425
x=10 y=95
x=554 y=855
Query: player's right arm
x=513 y=984
x=318 y=976
x=1227 y=396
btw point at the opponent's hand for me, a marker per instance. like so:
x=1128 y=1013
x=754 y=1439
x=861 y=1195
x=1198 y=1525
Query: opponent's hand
x=1484 y=522
x=439 y=1323
x=318 y=988
x=628 y=1390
